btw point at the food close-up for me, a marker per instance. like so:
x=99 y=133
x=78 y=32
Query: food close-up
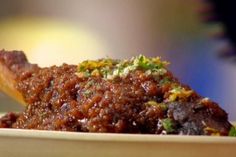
x=111 y=78
x=138 y=95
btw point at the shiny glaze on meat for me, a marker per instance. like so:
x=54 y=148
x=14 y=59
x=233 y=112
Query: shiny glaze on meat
x=58 y=99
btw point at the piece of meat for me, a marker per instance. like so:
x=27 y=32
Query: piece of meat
x=7 y=120
x=12 y=66
x=132 y=96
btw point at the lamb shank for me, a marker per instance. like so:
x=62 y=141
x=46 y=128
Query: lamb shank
x=139 y=95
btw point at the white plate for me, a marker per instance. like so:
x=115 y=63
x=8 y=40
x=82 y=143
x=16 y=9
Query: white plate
x=34 y=143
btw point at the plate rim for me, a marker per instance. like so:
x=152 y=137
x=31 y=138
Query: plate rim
x=112 y=137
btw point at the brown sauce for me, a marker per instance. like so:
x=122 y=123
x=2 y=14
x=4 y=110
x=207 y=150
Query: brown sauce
x=138 y=103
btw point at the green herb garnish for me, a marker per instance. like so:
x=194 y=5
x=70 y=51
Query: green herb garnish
x=154 y=103
x=109 y=69
x=87 y=93
x=232 y=131
x=179 y=92
x=168 y=125
x=165 y=80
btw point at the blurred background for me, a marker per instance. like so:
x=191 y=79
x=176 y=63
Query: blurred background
x=57 y=31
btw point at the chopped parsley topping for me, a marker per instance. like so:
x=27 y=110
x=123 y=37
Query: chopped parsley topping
x=179 y=92
x=90 y=83
x=110 y=69
x=168 y=125
x=232 y=131
x=165 y=80
x=96 y=67
x=163 y=106
x=87 y=93
x=151 y=103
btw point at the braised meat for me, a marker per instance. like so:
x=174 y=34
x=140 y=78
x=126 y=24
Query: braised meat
x=118 y=96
